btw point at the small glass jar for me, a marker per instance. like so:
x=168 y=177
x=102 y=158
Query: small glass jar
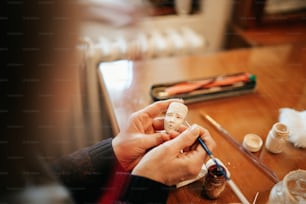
x=277 y=138
x=214 y=182
x=291 y=190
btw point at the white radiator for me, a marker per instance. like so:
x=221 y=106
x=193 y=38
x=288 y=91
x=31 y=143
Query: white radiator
x=158 y=43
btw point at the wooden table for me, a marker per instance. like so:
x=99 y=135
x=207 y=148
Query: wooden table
x=266 y=35
x=281 y=82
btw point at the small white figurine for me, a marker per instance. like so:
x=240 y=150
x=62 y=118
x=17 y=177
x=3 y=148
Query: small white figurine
x=175 y=116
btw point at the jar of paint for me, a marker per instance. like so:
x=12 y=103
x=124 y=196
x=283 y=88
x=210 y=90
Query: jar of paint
x=214 y=182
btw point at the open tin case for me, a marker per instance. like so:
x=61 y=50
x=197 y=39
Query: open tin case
x=206 y=88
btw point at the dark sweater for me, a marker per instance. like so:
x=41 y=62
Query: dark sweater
x=93 y=175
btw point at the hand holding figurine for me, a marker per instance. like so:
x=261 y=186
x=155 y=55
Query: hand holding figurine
x=141 y=134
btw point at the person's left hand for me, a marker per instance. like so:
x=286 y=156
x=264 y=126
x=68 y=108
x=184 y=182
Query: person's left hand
x=142 y=134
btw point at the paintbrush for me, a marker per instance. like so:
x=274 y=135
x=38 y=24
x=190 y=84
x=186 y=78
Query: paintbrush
x=236 y=144
x=230 y=182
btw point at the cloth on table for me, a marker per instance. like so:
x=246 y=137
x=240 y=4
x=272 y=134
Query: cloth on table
x=296 y=123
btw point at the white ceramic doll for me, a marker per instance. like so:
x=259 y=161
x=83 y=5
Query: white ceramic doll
x=175 y=116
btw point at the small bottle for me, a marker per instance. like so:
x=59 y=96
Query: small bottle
x=277 y=138
x=214 y=182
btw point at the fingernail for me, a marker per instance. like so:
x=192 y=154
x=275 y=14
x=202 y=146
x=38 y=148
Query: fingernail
x=195 y=130
x=179 y=99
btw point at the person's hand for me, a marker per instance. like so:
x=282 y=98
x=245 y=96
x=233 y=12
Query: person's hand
x=141 y=134
x=167 y=163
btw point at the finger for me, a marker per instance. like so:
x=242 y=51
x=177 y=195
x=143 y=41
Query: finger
x=155 y=109
x=207 y=139
x=175 y=133
x=182 y=128
x=153 y=140
x=158 y=123
x=187 y=138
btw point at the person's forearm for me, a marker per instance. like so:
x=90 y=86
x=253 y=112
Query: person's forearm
x=144 y=190
x=93 y=161
x=86 y=172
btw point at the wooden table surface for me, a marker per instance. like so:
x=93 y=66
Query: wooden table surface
x=281 y=82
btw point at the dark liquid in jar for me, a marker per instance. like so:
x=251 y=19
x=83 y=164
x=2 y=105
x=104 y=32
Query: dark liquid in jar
x=214 y=182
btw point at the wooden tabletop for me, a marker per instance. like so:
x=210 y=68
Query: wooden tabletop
x=272 y=35
x=281 y=82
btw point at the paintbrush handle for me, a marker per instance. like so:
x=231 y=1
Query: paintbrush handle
x=236 y=144
x=202 y=143
x=237 y=191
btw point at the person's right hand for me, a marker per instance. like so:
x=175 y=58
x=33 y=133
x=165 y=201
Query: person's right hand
x=167 y=163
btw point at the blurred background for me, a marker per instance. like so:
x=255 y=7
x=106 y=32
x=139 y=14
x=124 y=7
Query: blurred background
x=165 y=29
x=150 y=29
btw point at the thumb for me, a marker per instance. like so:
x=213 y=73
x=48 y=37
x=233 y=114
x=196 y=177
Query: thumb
x=152 y=140
x=187 y=138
